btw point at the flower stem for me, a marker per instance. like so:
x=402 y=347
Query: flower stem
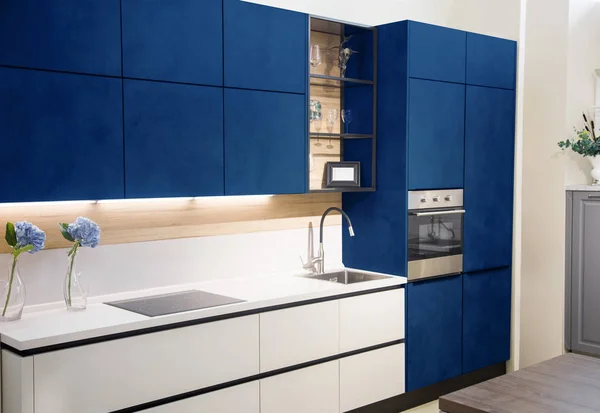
x=73 y=253
x=10 y=281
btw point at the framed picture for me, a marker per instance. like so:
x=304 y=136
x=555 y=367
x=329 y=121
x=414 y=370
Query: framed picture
x=342 y=174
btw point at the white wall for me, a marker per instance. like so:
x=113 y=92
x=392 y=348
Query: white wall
x=542 y=192
x=494 y=17
x=113 y=269
x=584 y=57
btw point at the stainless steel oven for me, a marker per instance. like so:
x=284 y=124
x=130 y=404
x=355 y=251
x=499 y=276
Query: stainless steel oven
x=435 y=233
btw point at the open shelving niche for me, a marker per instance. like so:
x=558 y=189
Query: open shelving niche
x=357 y=92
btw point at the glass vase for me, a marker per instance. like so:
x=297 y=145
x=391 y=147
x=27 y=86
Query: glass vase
x=75 y=291
x=13 y=293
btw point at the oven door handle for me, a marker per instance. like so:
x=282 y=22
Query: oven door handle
x=435 y=213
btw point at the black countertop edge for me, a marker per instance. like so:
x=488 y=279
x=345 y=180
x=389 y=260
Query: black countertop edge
x=148 y=330
x=194 y=393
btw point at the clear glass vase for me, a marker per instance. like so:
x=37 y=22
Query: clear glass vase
x=75 y=291
x=13 y=293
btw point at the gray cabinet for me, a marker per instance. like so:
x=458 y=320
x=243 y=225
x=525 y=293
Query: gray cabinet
x=582 y=323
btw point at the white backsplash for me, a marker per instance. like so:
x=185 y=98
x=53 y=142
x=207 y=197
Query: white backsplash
x=113 y=269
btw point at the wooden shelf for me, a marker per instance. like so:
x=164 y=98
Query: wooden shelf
x=336 y=81
x=314 y=135
x=331 y=190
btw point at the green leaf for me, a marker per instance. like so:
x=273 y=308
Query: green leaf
x=11 y=235
x=26 y=248
x=63 y=230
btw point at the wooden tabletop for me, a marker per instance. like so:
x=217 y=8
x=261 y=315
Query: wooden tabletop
x=565 y=384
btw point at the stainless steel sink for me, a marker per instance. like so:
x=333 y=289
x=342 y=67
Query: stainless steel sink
x=346 y=277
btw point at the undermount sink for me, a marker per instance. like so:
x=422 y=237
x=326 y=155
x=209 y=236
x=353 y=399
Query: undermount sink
x=346 y=277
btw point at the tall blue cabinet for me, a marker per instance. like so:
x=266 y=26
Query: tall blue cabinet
x=446 y=118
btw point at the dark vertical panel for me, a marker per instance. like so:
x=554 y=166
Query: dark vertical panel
x=491 y=61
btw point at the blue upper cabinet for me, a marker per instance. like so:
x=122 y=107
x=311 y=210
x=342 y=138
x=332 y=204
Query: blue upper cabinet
x=491 y=61
x=265 y=143
x=486 y=318
x=61 y=137
x=174 y=40
x=265 y=48
x=436 y=134
x=489 y=164
x=173 y=140
x=433 y=331
x=436 y=53
x=70 y=35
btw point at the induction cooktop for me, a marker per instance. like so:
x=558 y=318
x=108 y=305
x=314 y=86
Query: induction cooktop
x=157 y=305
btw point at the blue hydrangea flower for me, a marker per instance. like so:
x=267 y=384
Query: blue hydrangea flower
x=86 y=231
x=29 y=234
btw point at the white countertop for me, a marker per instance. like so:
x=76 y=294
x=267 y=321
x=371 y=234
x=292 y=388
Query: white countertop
x=583 y=187
x=58 y=326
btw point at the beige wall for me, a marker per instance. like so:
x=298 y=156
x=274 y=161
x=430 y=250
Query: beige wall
x=584 y=57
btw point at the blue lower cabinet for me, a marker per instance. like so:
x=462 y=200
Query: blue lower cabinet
x=265 y=143
x=173 y=140
x=433 y=331
x=62 y=137
x=486 y=318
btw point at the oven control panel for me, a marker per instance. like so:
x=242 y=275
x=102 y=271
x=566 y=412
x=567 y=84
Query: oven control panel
x=442 y=198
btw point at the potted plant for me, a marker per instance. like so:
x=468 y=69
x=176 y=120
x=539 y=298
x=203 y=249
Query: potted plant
x=587 y=144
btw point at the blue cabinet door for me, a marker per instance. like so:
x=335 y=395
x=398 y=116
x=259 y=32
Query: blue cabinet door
x=436 y=53
x=486 y=318
x=491 y=61
x=265 y=48
x=173 y=140
x=174 y=40
x=62 y=136
x=71 y=35
x=436 y=134
x=433 y=331
x=489 y=164
x=265 y=143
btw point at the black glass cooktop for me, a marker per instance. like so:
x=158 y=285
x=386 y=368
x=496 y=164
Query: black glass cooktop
x=179 y=302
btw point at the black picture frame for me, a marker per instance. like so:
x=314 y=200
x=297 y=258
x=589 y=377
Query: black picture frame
x=329 y=172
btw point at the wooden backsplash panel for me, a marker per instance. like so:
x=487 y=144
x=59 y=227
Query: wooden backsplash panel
x=161 y=219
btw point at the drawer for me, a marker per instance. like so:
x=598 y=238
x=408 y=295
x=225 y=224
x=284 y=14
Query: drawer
x=299 y=334
x=310 y=390
x=372 y=376
x=143 y=368
x=243 y=398
x=371 y=319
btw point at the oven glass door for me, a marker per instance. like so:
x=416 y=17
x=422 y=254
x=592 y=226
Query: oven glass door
x=434 y=234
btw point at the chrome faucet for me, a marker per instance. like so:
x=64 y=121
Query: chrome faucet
x=317 y=264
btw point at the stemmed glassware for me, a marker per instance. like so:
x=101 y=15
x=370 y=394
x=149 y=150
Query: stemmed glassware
x=318 y=123
x=315 y=55
x=332 y=117
x=346 y=118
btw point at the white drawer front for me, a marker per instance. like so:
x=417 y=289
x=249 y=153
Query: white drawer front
x=370 y=377
x=310 y=390
x=371 y=319
x=298 y=334
x=239 y=399
x=99 y=378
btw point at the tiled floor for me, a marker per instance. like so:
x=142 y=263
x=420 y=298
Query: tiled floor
x=426 y=408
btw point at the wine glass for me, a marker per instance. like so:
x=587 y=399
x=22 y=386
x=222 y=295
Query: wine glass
x=346 y=118
x=315 y=55
x=332 y=117
x=317 y=123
